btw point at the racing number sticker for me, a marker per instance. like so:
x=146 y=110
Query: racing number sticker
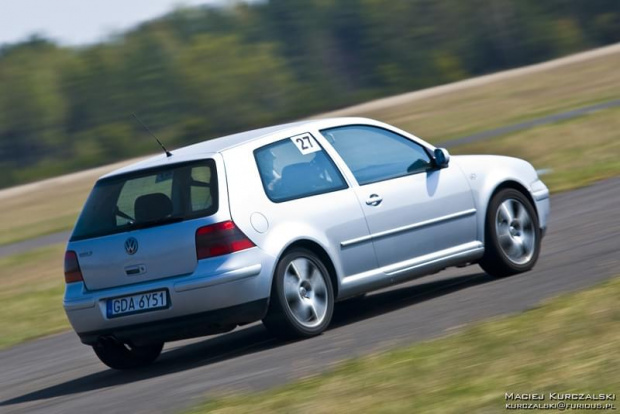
x=306 y=144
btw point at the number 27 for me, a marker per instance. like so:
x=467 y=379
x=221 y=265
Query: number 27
x=303 y=141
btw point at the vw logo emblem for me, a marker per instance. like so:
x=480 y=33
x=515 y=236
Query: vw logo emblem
x=131 y=245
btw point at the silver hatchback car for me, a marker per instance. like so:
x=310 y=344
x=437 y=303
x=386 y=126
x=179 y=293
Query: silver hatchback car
x=278 y=224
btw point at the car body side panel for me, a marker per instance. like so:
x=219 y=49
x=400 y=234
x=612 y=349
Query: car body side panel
x=326 y=219
x=420 y=214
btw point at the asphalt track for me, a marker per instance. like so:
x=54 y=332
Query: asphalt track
x=62 y=237
x=59 y=375
x=35 y=243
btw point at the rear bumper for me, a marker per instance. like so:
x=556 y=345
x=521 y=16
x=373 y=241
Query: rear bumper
x=222 y=293
x=200 y=324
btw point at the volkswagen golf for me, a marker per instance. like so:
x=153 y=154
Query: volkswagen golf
x=279 y=223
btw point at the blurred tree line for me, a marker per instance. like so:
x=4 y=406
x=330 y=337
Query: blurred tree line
x=199 y=73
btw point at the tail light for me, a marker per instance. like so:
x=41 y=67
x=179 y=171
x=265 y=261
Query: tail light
x=220 y=238
x=73 y=273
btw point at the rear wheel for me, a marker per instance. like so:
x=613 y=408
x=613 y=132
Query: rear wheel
x=119 y=355
x=302 y=297
x=512 y=234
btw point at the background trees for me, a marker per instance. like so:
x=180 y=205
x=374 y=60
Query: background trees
x=203 y=72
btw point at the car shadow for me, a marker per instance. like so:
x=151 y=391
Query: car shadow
x=255 y=338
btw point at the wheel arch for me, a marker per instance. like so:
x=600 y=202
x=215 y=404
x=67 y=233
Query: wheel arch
x=321 y=252
x=515 y=185
x=508 y=183
x=502 y=266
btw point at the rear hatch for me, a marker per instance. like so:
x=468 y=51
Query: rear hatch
x=141 y=226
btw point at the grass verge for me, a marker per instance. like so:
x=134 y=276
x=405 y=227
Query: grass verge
x=50 y=208
x=569 y=344
x=31 y=289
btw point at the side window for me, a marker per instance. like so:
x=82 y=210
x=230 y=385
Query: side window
x=199 y=189
x=296 y=167
x=376 y=154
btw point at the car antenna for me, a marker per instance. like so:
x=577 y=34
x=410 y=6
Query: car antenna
x=168 y=153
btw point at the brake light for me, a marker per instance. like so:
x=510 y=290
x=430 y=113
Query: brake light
x=220 y=238
x=73 y=273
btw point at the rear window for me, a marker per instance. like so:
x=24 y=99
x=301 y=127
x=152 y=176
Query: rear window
x=149 y=198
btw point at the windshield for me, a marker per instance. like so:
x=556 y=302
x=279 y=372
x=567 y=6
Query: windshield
x=149 y=198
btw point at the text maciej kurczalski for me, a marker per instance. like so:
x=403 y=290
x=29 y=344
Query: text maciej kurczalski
x=558 y=396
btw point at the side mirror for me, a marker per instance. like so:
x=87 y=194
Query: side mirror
x=442 y=157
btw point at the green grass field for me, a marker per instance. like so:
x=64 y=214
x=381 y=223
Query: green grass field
x=569 y=344
x=31 y=289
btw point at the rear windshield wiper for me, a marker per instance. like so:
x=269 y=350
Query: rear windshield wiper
x=121 y=214
x=159 y=222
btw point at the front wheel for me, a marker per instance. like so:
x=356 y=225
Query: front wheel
x=512 y=234
x=302 y=297
x=119 y=355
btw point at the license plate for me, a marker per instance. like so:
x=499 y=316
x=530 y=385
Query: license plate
x=141 y=302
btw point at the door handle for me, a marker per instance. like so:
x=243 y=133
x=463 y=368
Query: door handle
x=374 y=200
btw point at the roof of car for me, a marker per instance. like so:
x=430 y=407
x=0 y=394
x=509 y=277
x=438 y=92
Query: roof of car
x=229 y=141
x=221 y=144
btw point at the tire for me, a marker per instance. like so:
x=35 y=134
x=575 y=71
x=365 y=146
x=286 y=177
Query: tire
x=118 y=355
x=302 y=297
x=512 y=234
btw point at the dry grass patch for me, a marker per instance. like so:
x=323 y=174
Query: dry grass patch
x=505 y=101
x=578 y=151
x=47 y=206
x=46 y=210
